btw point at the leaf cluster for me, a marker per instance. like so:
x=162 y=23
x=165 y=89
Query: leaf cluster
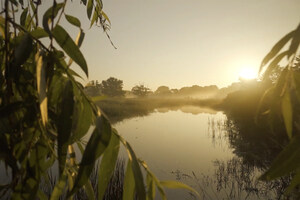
x=44 y=112
x=285 y=93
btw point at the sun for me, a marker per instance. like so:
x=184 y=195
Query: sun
x=247 y=73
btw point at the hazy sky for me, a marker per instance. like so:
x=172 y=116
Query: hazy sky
x=185 y=42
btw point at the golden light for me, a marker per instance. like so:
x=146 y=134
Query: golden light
x=247 y=73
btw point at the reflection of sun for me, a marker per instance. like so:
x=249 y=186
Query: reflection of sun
x=247 y=73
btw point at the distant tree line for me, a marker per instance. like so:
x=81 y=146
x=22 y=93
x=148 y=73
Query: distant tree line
x=113 y=87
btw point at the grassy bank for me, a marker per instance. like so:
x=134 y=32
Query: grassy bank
x=118 y=109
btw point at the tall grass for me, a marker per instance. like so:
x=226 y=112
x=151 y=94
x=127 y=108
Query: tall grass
x=114 y=189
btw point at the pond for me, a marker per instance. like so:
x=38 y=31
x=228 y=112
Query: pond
x=191 y=145
x=202 y=148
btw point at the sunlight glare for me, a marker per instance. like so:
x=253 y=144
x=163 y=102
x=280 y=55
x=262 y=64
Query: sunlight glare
x=247 y=73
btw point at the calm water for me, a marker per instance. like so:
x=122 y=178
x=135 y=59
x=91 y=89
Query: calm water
x=191 y=145
x=195 y=146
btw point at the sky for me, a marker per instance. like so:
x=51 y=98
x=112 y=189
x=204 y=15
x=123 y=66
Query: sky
x=181 y=43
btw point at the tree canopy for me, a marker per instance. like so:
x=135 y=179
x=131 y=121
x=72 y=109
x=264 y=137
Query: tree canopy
x=112 y=87
x=140 y=90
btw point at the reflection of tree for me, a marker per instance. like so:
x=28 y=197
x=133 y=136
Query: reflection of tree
x=257 y=145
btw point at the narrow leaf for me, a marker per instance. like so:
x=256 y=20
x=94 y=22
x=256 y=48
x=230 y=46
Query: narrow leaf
x=68 y=45
x=287 y=161
x=23 y=50
x=294 y=183
x=138 y=177
x=95 y=16
x=73 y=20
x=23 y=17
x=96 y=145
x=51 y=14
x=151 y=187
x=59 y=187
x=129 y=184
x=295 y=42
x=105 y=16
x=78 y=42
x=89 y=8
x=287 y=112
x=39 y=33
x=41 y=87
x=89 y=190
x=107 y=165
x=274 y=63
x=276 y=48
x=64 y=124
x=178 y=185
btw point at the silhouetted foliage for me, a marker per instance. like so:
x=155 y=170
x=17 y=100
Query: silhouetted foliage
x=140 y=90
x=112 y=87
x=162 y=90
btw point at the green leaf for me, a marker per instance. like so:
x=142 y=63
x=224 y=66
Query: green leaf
x=287 y=112
x=89 y=190
x=178 y=185
x=294 y=183
x=129 y=184
x=83 y=117
x=70 y=182
x=51 y=14
x=151 y=187
x=41 y=195
x=296 y=79
x=160 y=189
x=26 y=190
x=23 y=50
x=277 y=47
x=107 y=165
x=287 y=161
x=274 y=63
x=105 y=16
x=79 y=38
x=64 y=124
x=73 y=20
x=96 y=145
x=39 y=33
x=138 y=177
x=295 y=42
x=78 y=42
x=69 y=46
x=95 y=16
x=42 y=87
x=23 y=17
x=89 y=8
x=59 y=187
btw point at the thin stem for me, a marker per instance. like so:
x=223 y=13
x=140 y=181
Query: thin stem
x=9 y=89
x=52 y=24
x=62 y=12
x=14 y=19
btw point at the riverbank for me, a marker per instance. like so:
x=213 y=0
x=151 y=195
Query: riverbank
x=118 y=109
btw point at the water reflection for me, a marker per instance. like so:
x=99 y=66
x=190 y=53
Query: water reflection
x=175 y=141
x=195 y=110
x=221 y=157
